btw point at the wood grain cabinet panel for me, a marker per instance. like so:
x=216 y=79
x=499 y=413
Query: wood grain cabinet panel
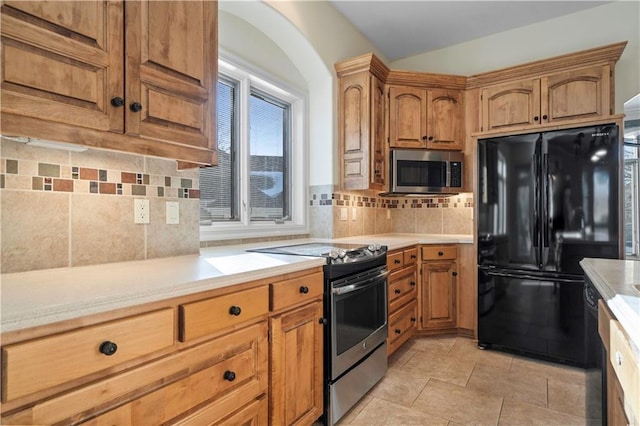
x=135 y=76
x=296 y=396
x=402 y=325
x=64 y=357
x=439 y=288
x=296 y=291
x=445 y=113
x=198 y=319
x=402 y=288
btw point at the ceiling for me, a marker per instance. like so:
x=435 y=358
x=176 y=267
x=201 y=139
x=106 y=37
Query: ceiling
x=405 y=28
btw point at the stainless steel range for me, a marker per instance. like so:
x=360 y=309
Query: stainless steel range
x=355 y=304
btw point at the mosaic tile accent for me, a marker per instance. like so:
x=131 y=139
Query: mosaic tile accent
x=355 y=200
x=42 y=176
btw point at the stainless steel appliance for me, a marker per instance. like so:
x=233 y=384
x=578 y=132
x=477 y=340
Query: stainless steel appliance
x=545 y=201
x=426 y=172
x=355 y=305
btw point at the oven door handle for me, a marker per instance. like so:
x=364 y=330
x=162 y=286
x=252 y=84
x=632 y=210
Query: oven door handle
x=360 y=285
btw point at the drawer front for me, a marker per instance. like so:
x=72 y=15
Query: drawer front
x=296 y=290
x=208 y=316
x=439 y=252
x=233 y=373
x=395 y=260
x=410 y=256
x=402 y=288
x=244 y=351
x=402 y=325
x=626 y=364
x=68 y=356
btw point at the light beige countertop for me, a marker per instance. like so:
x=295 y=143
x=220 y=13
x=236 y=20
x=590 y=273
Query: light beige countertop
x=29 y=299
x=615 y=280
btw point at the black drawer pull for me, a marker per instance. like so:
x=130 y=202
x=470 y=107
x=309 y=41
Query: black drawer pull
x=398 y=331
x=108 y=348
x=323 y=321
x=396 y=261
x=229 y=376
x=304 y=289
x=413 y=319
x=235 y=310
x=117 y=101
x=135 y=107
x=397 y=291
x=440 y=253
x=454 y=273
x=412 y=283
x=413 y=256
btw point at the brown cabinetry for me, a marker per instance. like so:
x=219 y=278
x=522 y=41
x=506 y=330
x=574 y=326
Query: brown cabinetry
x=361 y=123
x=296 y=368
x=439 y=288
x=80 y=72
x=421 y=118
x=402 y=291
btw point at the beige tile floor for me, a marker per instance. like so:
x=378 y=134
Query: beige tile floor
x=449 y=381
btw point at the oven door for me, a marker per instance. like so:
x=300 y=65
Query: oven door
x=358 y=318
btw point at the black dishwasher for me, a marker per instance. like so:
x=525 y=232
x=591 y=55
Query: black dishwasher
x=596 y=371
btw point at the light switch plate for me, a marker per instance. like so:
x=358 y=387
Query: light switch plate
x=344 y=213
x=354 y=213
x=173 y=212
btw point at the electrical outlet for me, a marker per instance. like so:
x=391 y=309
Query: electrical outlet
x=354 y=213
x=140 y=210
x=344 y=213
x=173 y=212
x=388 y=214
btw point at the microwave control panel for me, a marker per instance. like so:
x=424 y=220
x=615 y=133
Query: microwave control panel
x=456 y=174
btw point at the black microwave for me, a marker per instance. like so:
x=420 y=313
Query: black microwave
x=426 y=172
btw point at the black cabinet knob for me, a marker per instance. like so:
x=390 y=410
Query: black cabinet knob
x=413 y=319
x=413 y=256
x=323 y=321
x=229 y=376
x=135 y=107
x=398 y=331
x=396 y=261
x=235 y=310
x=412 y=283
x=440 y=253
x=397 y=291
x=430 y=138
x=424 y=138
x=108 y=348
x=117 y=101
x=536 y=118
x=544 y=117
x=304 y=289
x=454 y=273
x=377 y=172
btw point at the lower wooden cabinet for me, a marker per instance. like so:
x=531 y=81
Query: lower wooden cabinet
x=402 y=325
x=439 y=288
x=402 y=293
x=296 y=395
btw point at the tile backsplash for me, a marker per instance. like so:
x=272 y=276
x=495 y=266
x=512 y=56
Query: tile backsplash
x=63 y=208
x=368 y=213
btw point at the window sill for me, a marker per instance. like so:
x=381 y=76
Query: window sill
x=234 y=232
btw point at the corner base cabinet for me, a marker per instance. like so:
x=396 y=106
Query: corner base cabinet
x=439 y=288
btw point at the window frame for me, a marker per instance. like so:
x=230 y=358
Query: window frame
x=248 y=76
x=634 y=164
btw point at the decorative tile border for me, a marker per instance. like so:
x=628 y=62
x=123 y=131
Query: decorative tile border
x=77 y=179
x=359 y=200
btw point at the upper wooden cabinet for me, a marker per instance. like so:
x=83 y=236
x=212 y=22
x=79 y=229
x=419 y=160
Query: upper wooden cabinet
x=571 y=95
x=133 y=76
x=562 y=90
x=420 y=118
x=361 y=123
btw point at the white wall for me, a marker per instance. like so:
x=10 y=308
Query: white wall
x=598 y=26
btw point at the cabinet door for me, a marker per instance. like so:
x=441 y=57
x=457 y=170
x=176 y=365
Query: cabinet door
x=354 y=125
x=439 y=295
x=576 y=94
x=378 y=168
x=63 y=62
x=510 y=105
x=171 y=71
x=445 y=121
x=407 y=117
x=296 y=366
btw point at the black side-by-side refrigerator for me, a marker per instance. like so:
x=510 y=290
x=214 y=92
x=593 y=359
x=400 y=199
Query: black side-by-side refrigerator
x=545 y=201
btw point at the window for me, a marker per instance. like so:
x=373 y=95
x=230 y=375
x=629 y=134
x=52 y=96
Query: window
x=631 y=178
x=259 y=186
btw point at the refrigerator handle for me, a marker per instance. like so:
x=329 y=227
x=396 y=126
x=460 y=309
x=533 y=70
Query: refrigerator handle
x=536 y=185
x=546 y=229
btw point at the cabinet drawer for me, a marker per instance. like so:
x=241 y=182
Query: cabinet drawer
x=410 y=256
x=296 y=290
x=402 y=325
x=401 y=288
x=208 y=316
x=395 y=260
x=439 y=252
x=43 y=363
x=626 y=364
